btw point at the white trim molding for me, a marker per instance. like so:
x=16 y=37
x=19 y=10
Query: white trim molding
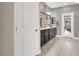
x=59 y=36
x=77 y=38
x=34 y=53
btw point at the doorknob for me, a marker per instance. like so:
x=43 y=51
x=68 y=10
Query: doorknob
x=36 y=30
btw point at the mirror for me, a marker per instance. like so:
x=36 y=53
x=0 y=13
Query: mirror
x=67 y=23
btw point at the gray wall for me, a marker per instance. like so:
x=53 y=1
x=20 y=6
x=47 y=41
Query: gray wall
x=6 y=28
x=72 y=8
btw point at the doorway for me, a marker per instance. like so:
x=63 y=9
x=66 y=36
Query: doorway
x=68 y=24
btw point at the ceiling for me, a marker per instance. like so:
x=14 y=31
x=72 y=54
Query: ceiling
x=58 y=4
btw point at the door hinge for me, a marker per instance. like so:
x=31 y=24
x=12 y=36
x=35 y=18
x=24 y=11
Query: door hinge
x=16 y=28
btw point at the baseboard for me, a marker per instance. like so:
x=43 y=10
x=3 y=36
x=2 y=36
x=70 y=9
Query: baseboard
x=77 y=38
x=33 y=53
x=72 y=37
x=38 y=52
x=59 y=36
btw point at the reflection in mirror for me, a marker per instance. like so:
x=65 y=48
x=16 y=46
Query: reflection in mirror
x=67 y=23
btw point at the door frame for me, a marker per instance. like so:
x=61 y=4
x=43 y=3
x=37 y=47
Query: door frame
x=72 y=23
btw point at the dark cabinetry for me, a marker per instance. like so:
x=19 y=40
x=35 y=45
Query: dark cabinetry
x=50 y=34
x=55 y=32
x=42 y=37
x=47 y=35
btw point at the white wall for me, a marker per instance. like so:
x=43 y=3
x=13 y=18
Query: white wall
x=6 y=28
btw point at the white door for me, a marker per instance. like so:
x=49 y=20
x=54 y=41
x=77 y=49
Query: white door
x=68 y=24
x=31 y=31
x=27 y=41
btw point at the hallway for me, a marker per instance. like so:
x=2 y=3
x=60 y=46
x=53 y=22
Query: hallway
x=61 y=47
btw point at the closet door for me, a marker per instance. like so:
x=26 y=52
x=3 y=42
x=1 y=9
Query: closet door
x=31 y=31
x=26 y=28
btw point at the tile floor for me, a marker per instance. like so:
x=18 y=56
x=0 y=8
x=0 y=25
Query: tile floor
x=61 y=47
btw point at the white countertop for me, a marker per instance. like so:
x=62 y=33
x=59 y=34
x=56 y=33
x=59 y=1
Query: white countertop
x=48 y=27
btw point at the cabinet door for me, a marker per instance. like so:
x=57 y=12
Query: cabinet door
x=55 y=31
x=50 y=34
x=46 y=36
x=42 y=37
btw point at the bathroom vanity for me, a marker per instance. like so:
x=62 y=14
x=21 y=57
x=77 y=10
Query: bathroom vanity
x=48 y=27
x=47 y=34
